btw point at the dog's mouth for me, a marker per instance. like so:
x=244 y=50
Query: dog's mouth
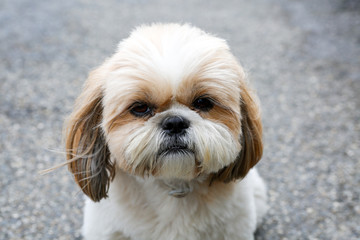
x=175 y=149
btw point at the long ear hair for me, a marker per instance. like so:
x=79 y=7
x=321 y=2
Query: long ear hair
x=87 y=152
x=251 y=139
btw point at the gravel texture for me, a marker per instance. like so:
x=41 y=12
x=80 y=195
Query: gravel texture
x=302 y=56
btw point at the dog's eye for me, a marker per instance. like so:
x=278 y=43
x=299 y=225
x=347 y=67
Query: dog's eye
x=141 y=109
x=203 y=104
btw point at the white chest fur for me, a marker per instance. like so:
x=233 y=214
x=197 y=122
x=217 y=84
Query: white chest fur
x=144 y=210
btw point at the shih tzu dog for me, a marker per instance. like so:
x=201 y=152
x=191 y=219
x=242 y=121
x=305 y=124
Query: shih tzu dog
x=163 y=139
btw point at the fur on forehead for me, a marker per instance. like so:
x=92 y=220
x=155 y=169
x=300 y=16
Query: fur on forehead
x=162 y=63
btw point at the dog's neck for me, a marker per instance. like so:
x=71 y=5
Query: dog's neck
x=179 y=188
x=174 y=187
x=126 y=188
x=125 y=185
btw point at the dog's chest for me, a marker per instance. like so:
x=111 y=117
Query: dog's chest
x=178 y=219
x=148 y=212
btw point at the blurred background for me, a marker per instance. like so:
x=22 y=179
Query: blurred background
x=303 y=57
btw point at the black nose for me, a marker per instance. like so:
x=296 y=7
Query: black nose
x=175 y=125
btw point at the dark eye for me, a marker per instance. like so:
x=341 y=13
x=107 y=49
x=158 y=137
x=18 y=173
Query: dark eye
x=141 y=109
x=203 y=104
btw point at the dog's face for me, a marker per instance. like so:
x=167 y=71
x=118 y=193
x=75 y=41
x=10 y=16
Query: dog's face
x=172 y=103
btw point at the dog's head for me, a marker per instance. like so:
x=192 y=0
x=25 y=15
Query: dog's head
x=172 y=103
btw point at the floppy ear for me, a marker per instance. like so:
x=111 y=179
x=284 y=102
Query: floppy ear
x=87 y=152
x=250 y=139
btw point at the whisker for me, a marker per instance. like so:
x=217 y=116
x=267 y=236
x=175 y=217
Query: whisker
x=75 y=158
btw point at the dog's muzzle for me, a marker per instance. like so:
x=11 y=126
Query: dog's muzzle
x=174 y=129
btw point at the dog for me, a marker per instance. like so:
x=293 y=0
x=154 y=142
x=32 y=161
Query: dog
x=163 y=140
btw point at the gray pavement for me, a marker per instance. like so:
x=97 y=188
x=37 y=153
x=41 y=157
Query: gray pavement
x=302 y=56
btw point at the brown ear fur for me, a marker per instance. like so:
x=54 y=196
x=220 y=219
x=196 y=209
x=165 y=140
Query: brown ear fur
x=87 y=152
x=251 y=141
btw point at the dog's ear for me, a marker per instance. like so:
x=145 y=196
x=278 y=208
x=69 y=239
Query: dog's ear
x=87 y=152
x=250 y=139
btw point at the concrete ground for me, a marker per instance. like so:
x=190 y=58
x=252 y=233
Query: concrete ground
x=302 y=56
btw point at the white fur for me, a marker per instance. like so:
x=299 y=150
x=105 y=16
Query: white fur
x=143 y=210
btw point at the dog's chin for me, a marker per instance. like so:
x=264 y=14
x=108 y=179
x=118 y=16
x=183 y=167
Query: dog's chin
x=166 y=162
x=177 y=162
